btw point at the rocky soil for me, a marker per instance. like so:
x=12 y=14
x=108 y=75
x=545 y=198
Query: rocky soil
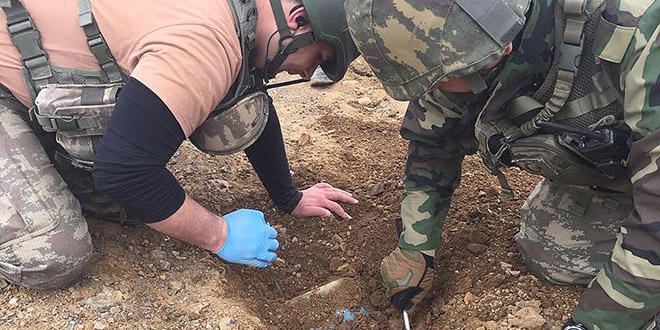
x=327 y=276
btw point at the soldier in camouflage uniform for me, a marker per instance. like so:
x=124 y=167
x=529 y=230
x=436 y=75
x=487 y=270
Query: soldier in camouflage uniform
x=463 y=64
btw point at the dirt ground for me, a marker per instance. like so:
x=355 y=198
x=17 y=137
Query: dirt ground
x=347 y=135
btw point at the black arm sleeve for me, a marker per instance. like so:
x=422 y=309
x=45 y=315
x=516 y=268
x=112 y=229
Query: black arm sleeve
x=268 y=158
x=130 y=163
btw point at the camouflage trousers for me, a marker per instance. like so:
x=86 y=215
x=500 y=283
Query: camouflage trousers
x=567 y=235
x=567 y=232
x=44 y=241
x=440 y=136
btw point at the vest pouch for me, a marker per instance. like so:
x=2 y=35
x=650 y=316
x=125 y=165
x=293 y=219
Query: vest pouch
x=78 y=114
x=542 y=154
x=234 y=129
x=613 y=39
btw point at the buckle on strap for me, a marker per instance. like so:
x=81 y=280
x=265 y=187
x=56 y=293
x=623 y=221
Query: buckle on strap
x=99 y=48
x=28 y=42
x=97 y=44
x=63 y=158
x=573 y=36
x=84 y=12
x=574 y=7
x=53 y=123
x=569 y=59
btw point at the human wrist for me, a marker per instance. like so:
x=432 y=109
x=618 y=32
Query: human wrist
x=290 y=201
x=220 y=240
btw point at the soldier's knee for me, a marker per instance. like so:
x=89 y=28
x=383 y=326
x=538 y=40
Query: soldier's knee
x=49 y=261
x=63 y=270
x=567 y=232
x=547 y=266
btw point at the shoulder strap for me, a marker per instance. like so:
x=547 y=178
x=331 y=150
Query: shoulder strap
x=97 y=44
x=245 y=18
x=570 y=19
x=27 y=40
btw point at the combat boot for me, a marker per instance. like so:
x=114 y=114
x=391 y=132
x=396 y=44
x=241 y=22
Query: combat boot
x=407 y=277
x=572 y=325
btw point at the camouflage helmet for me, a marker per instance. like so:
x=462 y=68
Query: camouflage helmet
x=412 y=45
x=328 y=21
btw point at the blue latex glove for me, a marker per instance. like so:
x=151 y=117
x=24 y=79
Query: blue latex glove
x=250 y=240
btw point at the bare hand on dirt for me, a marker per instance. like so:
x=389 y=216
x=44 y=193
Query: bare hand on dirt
x=321 y=200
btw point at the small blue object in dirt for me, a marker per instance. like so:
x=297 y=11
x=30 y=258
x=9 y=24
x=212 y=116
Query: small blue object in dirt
x=347 y=316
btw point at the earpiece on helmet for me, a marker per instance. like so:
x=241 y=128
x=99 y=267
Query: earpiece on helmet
x=302 y=21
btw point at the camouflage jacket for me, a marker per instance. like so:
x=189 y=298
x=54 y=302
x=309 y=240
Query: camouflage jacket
x=626 y=293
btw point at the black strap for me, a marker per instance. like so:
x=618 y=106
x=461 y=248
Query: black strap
x=296 y=41
x=245 y=18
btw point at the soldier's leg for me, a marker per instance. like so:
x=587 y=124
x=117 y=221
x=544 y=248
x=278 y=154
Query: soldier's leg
x=567 y=232
x=44 y=242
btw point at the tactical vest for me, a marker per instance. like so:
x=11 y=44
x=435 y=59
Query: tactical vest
x=570 y=130
x=77 y=103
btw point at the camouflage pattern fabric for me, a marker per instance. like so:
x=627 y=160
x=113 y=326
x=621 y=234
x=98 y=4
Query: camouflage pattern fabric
x=394 y=28
x=397 y=38
x=233 y=129
x=626 y=292
x=567 y=232
x=440 y=136
x=44 y=241
x=93 y=203
x=73 y=118
x=78 y=113
x=440 y=128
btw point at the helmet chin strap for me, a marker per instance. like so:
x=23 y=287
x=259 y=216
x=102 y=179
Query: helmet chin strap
x=297 y=41
x=477 y=83
x=481 y=81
